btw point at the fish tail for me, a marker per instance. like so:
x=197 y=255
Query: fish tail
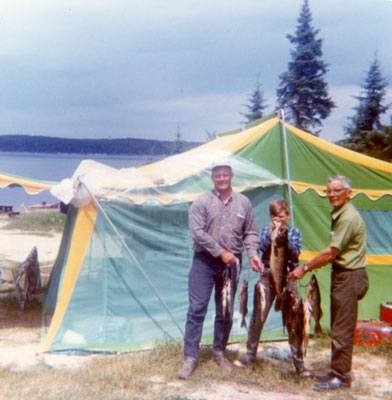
x=243 y=323
x=317 y=328
x=278 y=303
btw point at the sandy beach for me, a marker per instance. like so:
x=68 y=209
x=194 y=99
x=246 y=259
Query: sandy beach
x=15 y=244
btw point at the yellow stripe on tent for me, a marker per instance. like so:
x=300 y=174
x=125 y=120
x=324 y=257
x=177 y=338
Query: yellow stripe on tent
x=371 y=259
x=301 y=187
x=83 y=230
x=31 y=187
x=231 y=143
x=341 y=152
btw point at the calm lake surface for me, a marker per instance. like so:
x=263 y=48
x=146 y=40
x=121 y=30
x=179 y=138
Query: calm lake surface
x=52 y=167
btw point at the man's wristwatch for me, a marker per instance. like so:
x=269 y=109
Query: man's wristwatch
x=306 y=268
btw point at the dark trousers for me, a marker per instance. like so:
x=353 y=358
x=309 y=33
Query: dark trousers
x=257 y=323
x=347 y=287
x=205 y=274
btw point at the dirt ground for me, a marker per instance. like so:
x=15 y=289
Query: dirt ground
x=20 y=348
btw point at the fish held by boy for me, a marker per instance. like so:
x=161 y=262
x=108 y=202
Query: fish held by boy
x=315 y=300
x=293 y=319
x=278 y=261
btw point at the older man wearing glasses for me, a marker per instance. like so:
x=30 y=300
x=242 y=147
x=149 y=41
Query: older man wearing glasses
x=349 y=282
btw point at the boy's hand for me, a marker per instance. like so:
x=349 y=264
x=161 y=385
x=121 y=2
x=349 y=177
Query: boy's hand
x=275 y=224
x=256 y=264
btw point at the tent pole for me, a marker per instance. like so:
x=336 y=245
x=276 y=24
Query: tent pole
x=286 y=153
x=133 y=257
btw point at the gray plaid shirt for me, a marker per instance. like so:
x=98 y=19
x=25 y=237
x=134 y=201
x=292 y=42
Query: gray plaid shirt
x=216 y=226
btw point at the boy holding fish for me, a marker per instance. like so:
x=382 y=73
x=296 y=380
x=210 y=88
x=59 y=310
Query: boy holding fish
x=280 y=246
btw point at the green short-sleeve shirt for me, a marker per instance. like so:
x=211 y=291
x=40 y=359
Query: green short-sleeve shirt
x=348 y=235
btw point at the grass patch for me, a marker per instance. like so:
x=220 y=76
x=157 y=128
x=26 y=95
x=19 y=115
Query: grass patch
x=383 y=349
x=153 y=375
x=38 y=222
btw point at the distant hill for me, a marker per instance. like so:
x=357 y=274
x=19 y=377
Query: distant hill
x=128 y=146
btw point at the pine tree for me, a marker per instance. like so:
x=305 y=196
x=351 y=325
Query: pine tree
x=370 y=106
x=178 y=143
x=256 y=105
x=365 y=133
x=210 y=135
x=302 y=91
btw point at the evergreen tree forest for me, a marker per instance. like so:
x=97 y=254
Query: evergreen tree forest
x=365 y=132
x=303 y=95
x=302 y=91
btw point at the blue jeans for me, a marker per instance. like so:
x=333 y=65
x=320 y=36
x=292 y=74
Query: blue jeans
x=205 y=274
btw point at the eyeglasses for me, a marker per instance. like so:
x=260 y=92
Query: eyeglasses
x=334 y=191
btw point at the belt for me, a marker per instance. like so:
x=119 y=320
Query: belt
x=339 y=268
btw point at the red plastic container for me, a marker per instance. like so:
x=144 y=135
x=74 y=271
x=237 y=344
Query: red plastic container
x=372 y=333
x=386 y=312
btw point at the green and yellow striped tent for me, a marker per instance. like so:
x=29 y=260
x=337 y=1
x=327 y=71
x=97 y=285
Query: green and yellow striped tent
x=120 y=280
x=31 y=186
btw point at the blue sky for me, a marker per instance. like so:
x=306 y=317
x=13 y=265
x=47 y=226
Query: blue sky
x=131 y=68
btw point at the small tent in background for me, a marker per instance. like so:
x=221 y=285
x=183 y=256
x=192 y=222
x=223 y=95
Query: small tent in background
x=120 y=280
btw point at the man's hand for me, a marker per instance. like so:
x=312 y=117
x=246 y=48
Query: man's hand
x=297 y=273
x=228 y=258
x=256 y=264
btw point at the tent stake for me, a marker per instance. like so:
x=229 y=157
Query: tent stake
x=133 y=257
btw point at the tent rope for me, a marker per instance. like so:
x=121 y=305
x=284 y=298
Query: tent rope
x=286 y=153
x=132 y=256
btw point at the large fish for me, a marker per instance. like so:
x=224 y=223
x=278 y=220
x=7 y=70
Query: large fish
x=315 y=300
x=289 y=298
x=293 y=316
x=307 y=310
x=278 y=261
x=243 y=302
x=226 y=291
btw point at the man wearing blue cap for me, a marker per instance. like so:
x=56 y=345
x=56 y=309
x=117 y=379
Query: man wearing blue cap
x=222 y=223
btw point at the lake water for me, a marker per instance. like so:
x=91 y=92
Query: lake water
x=52 y=167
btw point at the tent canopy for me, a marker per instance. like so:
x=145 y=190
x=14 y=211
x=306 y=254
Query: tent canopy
x=31 y=186
x=120 y=279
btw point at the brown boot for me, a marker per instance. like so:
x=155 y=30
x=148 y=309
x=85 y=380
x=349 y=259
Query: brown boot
x=187 y=368
x=222 y=361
